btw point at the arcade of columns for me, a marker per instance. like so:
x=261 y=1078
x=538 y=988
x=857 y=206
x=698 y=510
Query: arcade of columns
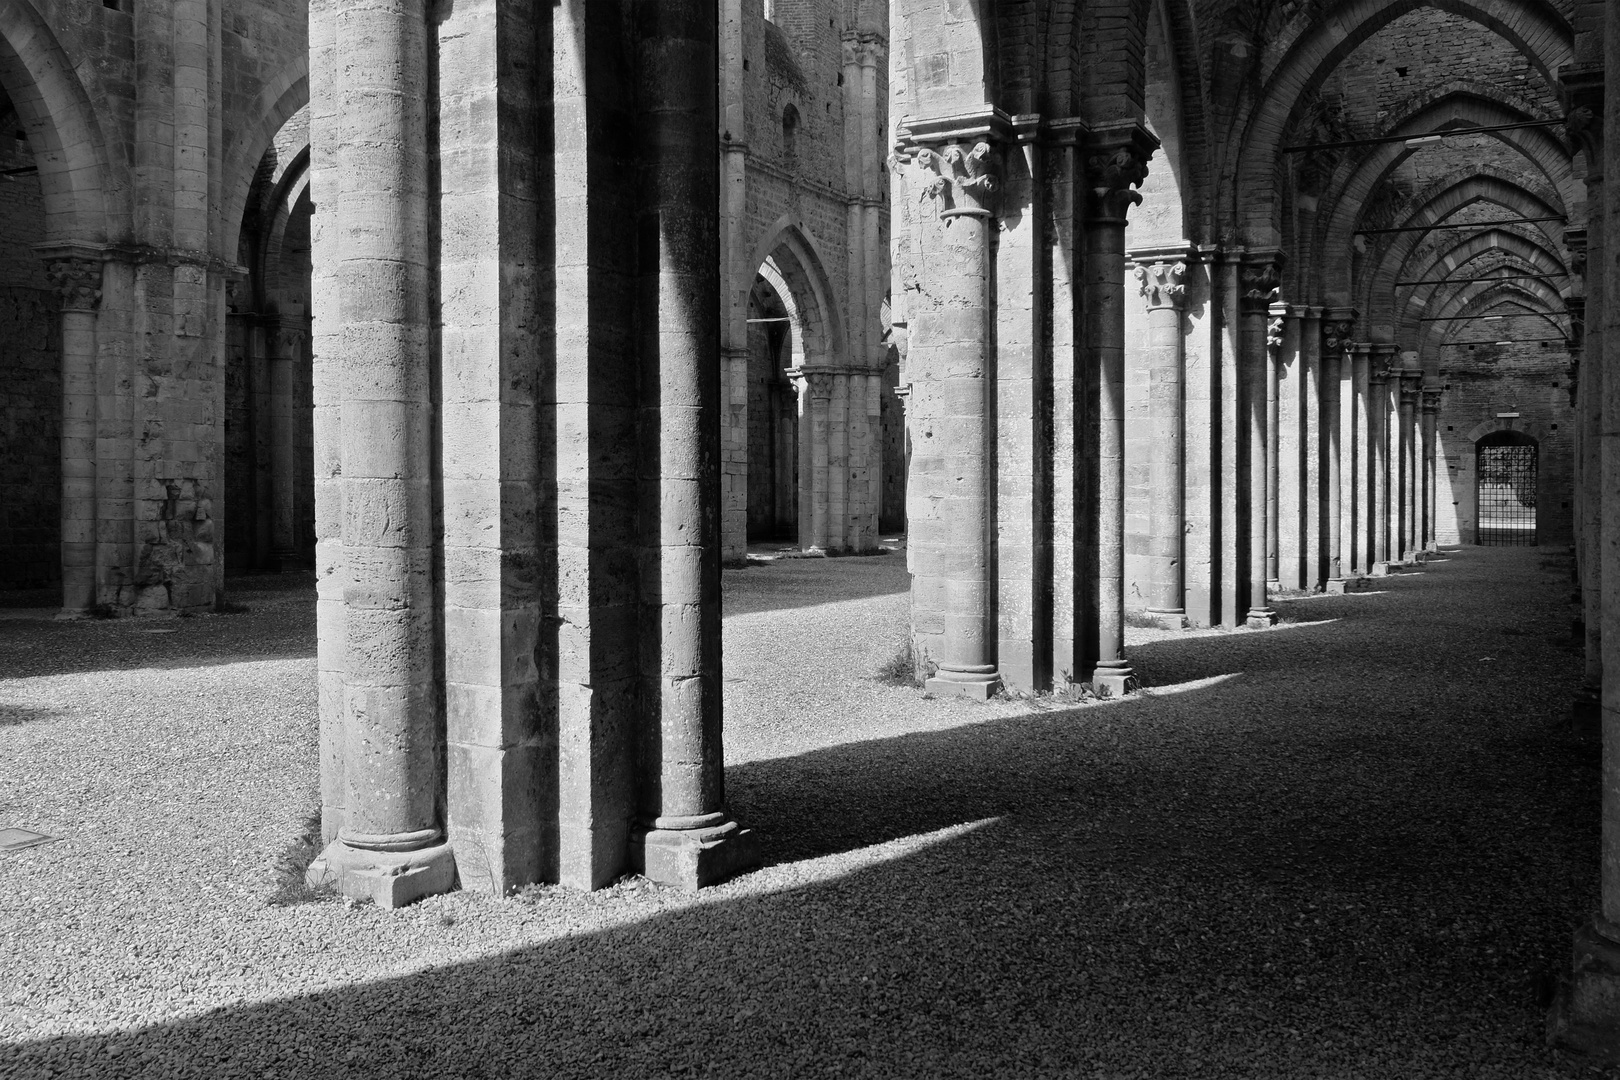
x=517 y=305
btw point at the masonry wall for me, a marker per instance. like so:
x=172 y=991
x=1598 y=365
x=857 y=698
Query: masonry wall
x=30 y=377
x=1484 y=381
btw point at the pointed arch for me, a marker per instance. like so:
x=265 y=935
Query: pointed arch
x=72 y=152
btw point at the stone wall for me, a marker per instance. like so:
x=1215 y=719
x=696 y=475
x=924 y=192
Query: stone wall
x=30 y=430
x=1482 y=380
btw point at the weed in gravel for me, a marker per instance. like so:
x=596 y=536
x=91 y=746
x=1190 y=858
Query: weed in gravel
x=1141 y=619
x=291 y=888
x=899 y=669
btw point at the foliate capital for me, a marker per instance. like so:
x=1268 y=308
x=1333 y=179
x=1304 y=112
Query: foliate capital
x=1260 y=289
x=1431 y=400
x=960 y=180
x=1336 y=336
x=1116 y=162
x=77 y=281
x=1161 y=283
x=289 y=338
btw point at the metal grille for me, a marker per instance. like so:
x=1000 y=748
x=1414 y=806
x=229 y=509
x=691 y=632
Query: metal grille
x=1507 y=496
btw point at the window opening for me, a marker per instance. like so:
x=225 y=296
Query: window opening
x=1507 y=490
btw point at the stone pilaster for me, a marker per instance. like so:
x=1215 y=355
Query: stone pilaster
x=1257 y=356
x=1383 y=431
x=76 y=277
x=1363 y=457
x=1116 y=163
x=289 y=337
x=1161 y=284
x=949 y=361
x=1289 y=435
x=1586 y=1014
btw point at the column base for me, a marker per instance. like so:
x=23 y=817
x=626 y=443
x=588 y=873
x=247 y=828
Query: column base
x=976 y=685
x=1410 y=555
x=1585 y=1016
x=285 y=560
x=1380 y=569
x=1261 y=618
x=1117 y=675
x=1168 y=618
x=693 y=858
x=1340 y=586
x=390 y=879
x=1274 y=585
x=1586 y=711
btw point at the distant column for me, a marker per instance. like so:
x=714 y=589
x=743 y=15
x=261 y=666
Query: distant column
x=77 y=280
x=1257 y=355
x=1338 y=449
x=1431 y=409
x=1378 y=427
x=1162 y=289
x=1117 y=163
x=287 y=350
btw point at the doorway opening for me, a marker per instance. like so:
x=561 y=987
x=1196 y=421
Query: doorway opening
x=1506 y=467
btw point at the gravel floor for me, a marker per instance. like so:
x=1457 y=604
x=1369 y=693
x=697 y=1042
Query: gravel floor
x=1351 y=846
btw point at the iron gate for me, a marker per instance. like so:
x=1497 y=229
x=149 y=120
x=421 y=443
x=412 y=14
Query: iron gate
x=1507 y=496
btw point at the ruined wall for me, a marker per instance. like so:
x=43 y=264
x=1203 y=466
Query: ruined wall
x=1481 y=380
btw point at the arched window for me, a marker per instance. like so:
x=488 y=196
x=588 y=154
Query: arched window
x=790 y=134
x=1506 y=491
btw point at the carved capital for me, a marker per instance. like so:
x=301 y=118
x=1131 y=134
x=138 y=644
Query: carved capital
x=1336 y=336
x=960 y=180
x=1431 y=400
x=1161 y=283
x=289 y=339
x=817 y=384
x=1583 y=130
x=1258 y=286
x=1274 y=333
x=77 y=281
x=1116 y=162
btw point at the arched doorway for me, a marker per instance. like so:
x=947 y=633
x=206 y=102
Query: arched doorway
x=1506 y=471
x=773 y=416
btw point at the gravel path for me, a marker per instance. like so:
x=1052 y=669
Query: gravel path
x=1350 y=846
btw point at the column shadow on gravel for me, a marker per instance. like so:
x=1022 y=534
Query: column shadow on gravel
x=1224 y=881
x=1169 y=887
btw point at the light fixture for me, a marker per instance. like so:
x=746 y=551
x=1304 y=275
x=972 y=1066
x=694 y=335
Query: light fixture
x=1423 y=140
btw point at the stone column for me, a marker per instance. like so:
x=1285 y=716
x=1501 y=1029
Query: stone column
x=1338 y=448
x=391 y=846
x=1410 y=484
x=1162 y=289
x=1258 y=357
x=1431 y=409
x=1116 y=162
x=1289 y=437
x=684 y=836
x=948 y=493
x=840 y=525
x=287 y=348
x=1315 y=412
x=815 y=390
x=1361 y=457
x=1282 y=350
x=1378 y=427
x=77 y=280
